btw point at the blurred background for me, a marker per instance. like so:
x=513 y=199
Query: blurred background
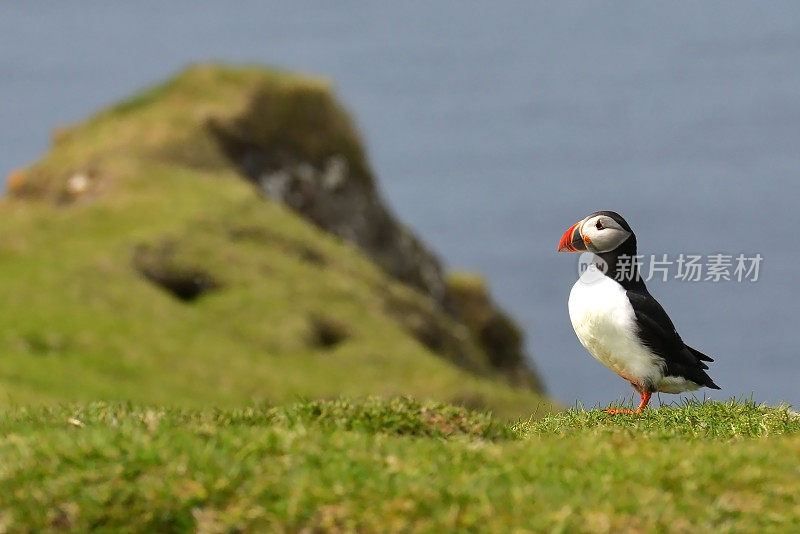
x=493 y=127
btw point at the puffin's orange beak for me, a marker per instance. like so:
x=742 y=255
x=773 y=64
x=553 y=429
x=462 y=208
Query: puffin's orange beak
x=572 y=241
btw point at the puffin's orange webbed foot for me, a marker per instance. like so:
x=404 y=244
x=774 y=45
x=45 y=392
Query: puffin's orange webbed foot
x=617 y=411
x=642 y=405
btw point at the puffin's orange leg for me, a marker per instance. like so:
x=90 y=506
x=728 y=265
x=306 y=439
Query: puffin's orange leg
x=645 y=399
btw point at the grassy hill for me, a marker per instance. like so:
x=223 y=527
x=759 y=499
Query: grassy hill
x=398 y=465
x=138 y=264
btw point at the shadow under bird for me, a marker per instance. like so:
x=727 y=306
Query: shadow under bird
x=619 y=322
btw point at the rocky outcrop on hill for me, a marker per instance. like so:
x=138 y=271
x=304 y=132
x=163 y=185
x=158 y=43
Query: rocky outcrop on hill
x=334 y=190
x=312 y=161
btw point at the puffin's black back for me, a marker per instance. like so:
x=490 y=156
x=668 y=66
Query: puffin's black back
x=655 y=330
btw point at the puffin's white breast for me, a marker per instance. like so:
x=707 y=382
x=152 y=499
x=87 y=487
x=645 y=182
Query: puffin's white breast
x=605 y=324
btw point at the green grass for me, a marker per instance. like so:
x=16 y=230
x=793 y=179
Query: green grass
x=690 y=420
x=398 y=465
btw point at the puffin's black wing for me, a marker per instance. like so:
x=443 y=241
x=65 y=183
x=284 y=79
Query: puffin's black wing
x=656 y=330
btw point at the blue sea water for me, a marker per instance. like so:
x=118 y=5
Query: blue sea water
x=494 y=126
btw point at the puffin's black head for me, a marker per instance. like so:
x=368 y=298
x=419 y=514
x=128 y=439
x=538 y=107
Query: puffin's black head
x=599 y=232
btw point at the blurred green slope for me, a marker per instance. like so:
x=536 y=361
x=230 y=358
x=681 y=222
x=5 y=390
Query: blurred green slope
x=137 y=264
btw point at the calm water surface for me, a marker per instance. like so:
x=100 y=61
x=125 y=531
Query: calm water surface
x=493 y=127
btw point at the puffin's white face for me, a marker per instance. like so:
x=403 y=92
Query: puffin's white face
x=601 y=233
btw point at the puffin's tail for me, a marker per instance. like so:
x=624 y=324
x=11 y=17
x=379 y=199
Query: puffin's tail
x=700 y=359
x=699 y=355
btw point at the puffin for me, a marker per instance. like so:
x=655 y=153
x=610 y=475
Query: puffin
x=617 y=319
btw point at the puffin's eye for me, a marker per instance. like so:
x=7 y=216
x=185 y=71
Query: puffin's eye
x=599 y=225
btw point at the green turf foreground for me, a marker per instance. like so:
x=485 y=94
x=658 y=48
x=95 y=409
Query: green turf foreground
x=398 y=465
